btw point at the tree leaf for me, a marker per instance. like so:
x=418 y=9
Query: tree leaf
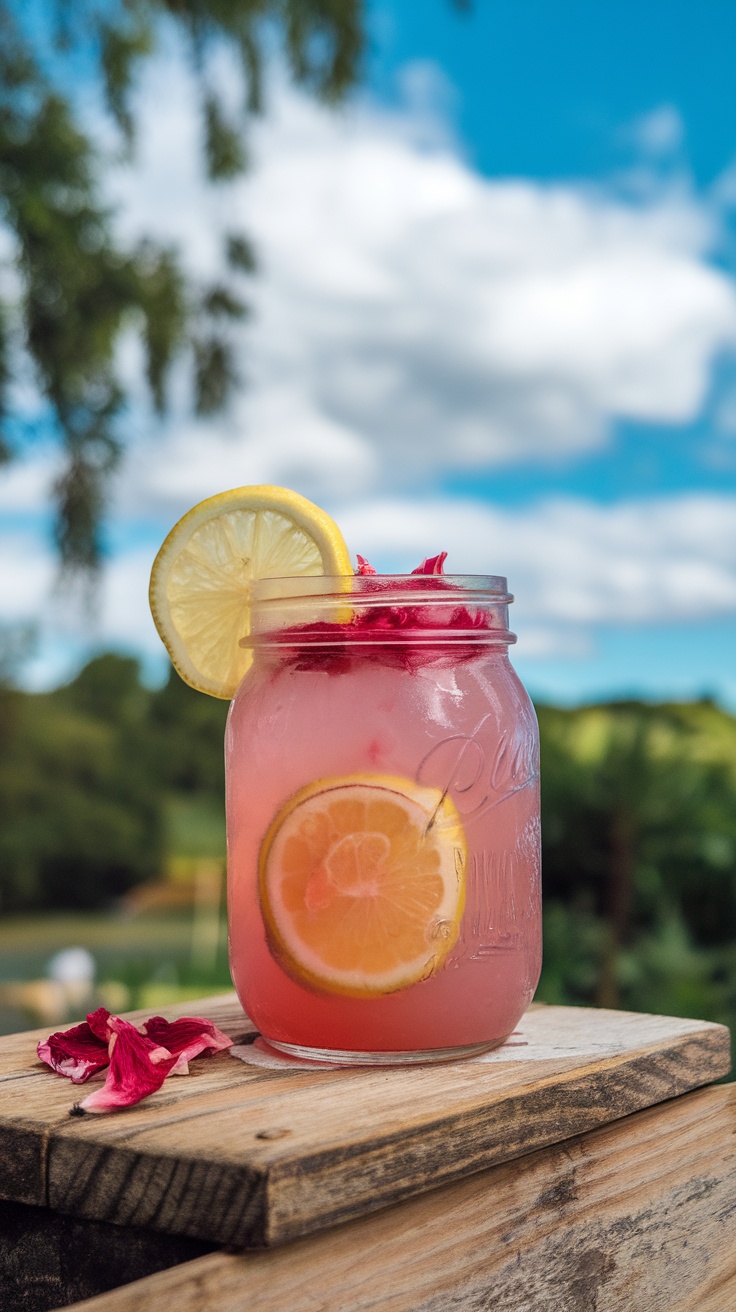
x=224 y=146
x=223 y=304
x=120 y=48
x=240 y=253
x=215 y=375
x=81 y=287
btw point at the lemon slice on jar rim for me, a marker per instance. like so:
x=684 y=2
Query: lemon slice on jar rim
x=362 y=883
x=202 y=577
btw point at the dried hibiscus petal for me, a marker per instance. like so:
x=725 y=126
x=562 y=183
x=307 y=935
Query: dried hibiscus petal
x=97 y=1021
x=77 y=1053
x=138 y=1066
x=185 y=1038
x=432 y=564
x=138 y=1058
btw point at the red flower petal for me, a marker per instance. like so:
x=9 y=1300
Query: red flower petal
x=432 y=565
x=138 y=1067
x=185 y=1038
x=139 y=1059
x=97 y=1021
x=324 y=645
x=77 y=1053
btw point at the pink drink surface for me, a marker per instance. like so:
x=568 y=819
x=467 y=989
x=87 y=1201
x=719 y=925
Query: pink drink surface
x=289 y=727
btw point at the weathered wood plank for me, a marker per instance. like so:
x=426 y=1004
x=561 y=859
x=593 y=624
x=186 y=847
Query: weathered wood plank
x=245 y=1156
x=33 y=1102
x=640 y=1214
x=354 y=1141
x=48 y=1260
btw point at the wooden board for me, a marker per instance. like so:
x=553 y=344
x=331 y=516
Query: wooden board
x=30 y=1110
x=641 y=1214
x=244 y=1156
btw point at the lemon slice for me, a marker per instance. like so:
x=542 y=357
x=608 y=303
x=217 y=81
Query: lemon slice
x=362 y=883
x=201 y=578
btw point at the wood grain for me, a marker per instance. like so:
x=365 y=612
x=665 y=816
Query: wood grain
x=201 y=1157
x=33 y=1101
x=638 y=1215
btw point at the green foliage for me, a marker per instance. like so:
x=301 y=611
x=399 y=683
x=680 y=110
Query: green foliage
x=88 y=778
x=165 y=315
x=79 y=288
x=187 y=731
x=214 y=374
x=195 y=826
x=639 y=864
x=224 y=148
x=79 y=821
x=120 y=48
x=240 y=253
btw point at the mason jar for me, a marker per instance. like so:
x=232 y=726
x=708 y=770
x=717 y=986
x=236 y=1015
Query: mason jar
x=383 y=820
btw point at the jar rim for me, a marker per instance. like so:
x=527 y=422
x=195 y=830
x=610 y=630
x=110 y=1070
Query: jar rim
x=382 y=588
x=379 y=611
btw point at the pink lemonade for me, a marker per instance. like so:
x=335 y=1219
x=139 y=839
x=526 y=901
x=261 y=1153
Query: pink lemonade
x=440 y=707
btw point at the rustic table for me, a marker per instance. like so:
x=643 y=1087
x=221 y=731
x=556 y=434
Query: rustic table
x=575 y=1170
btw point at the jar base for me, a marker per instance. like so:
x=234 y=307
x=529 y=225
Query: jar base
x=338 y=1057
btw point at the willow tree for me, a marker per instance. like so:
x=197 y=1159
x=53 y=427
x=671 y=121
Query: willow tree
x=72 y=287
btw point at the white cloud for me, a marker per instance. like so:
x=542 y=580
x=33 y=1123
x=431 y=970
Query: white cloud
x=25 y=576
x=66 y=632
x=288 y=441
x=660 y=132
x=25 y=485
x=413 y=317
x=572 y=565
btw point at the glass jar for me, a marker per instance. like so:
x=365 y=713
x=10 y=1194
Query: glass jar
x=383 y=820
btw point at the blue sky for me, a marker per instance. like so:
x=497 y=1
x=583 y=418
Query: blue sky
x=496 y=312
x=555 y=91
x=544 y=90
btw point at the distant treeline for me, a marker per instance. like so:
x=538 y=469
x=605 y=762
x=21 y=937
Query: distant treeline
x=639 y=857
x=87 y=773
x=638 y=825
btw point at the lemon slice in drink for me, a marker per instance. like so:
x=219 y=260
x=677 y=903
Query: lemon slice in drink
x=362 y=883
x=202 y=576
